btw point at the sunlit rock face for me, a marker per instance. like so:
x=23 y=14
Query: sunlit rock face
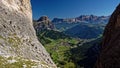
x=110 y=53
x=43 y=23
x=17 y=35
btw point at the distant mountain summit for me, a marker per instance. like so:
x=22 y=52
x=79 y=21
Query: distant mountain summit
x=43 y=23
x=43 y=18
x=84 y=19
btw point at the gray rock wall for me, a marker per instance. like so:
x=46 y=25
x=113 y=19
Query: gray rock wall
x=17 y=35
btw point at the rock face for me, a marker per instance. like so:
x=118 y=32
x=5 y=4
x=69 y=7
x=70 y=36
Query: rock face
x=17 y=35
x=43 y=23
x=110 y=54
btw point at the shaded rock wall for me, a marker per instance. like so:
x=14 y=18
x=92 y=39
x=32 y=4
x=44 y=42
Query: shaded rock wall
x=110 y=54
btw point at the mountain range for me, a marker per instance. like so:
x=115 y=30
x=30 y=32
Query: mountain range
x=83 y=19
x=82 y=30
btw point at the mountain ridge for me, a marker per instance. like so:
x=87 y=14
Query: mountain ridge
x=83 y=18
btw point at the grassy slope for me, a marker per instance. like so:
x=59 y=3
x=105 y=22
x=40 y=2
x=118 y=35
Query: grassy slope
x=58 y=44
x=64 y=50
x=19 y=62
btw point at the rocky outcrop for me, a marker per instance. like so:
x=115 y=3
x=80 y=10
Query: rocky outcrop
x=110 y=54
x=17 y=35
x=43 y=23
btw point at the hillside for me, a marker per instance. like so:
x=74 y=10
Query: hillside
x=81 y=30
x=69 y=52
x=57 y=44
x=85 y=30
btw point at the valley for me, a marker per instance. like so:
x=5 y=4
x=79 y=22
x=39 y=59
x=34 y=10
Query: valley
x=59 y=34
x=70 y=45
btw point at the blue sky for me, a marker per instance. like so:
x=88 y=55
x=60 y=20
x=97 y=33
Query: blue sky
x=72 y=8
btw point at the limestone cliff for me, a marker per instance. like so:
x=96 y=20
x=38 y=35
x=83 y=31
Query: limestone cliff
x=110 y=54
x=17 y=35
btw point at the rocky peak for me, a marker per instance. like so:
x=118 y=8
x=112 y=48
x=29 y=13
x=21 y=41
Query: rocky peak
x=110 y=53
x=17 y=35
x=43 y=18
x=43 y=23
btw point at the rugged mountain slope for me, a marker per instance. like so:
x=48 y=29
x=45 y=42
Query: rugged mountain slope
x=17 y=35
x=85 y=30
x=64 y=26
x=110 y=54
